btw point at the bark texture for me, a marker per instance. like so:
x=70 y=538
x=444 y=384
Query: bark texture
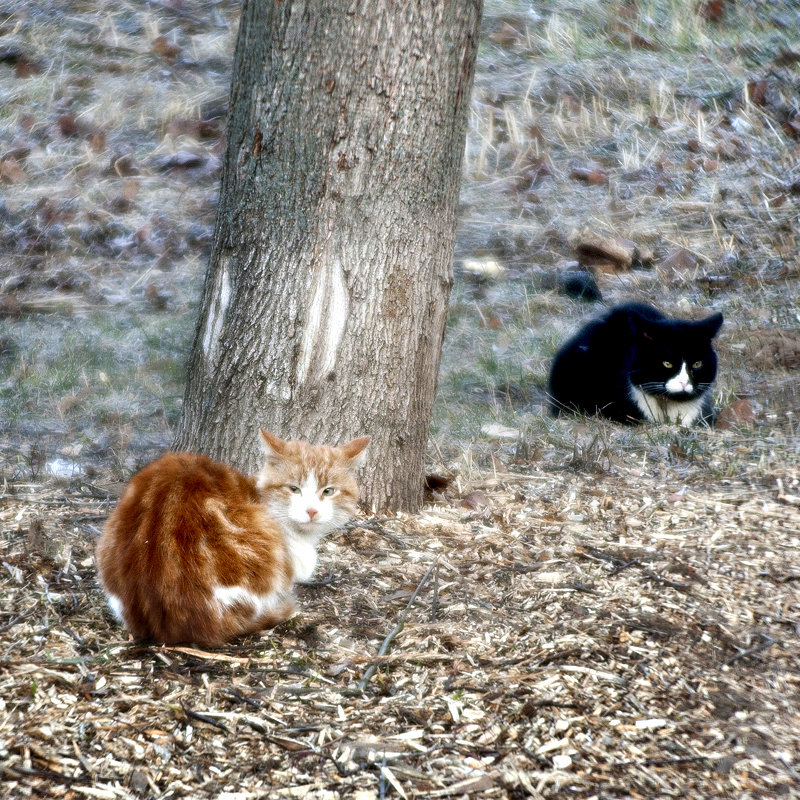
x=325 y=300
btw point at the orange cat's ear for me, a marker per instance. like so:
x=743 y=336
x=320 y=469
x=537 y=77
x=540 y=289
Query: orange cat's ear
x=271 y=444
x=354 y=451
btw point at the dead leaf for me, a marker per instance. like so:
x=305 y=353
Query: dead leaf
x=68 y=125
x=757 y=92
x=642 y=42
x=11 y=171
x=693 y=164
x=535 y=132
x=97 y=141
x=792 y=127
x=776 y=200
x=10 y=306
x=678 y=260
x=72 y=128
x=787 y=58
x=594 y=177
x=603 y=253
x=19 y=153
x=182 y=159
x=130 y=189
x=475 y=500
x=24 y=66
x=157 y=297
x=506 y=35
x=712 y=10
x=773 y=349
x=727 y=149
x=168 y=50
x=740 y=412
x=532 y=175
x=125 y=165
x=194 y=128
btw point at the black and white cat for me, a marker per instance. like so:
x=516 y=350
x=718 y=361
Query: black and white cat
x=635 y=364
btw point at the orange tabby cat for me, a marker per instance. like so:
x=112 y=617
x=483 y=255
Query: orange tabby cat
x=197 y=552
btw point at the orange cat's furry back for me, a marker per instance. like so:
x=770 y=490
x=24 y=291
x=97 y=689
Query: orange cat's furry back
x=197 y=552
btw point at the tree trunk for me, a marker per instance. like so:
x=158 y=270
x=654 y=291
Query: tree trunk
x=324 y=305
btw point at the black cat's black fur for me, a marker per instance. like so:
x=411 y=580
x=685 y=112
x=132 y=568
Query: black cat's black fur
x=635 y=364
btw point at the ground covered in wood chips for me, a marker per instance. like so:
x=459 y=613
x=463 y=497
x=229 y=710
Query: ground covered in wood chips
x=581 y=610
x=613 y=631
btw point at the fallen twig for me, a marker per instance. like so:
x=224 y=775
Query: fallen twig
x=767 y=642
x=662 y=762
x=622 y=564
x=204 y=718
x=397 y=628
x=375 y=526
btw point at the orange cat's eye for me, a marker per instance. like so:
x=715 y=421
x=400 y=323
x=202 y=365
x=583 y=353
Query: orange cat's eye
x=328 y=491
x=697 y=365
x=294 y=489
x=667 y=364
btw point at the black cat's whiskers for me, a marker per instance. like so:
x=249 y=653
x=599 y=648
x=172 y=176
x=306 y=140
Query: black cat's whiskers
x=653 y=387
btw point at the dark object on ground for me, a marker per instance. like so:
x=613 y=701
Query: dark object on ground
x=580 y=285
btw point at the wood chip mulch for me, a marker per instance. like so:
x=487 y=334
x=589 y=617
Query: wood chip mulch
x=618 y=634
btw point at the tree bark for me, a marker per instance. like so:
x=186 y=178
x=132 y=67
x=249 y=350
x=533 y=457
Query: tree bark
x=324 y=304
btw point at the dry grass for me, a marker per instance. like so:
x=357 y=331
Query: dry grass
x=585 y=610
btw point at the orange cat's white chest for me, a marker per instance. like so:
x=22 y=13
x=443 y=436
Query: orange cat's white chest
x=303 y=553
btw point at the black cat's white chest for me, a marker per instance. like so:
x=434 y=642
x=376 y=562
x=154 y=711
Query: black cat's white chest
x=662 y=409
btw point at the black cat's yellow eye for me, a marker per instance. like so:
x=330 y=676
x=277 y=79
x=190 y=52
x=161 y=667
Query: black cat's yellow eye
x=328 y=491
x=294 y=489
x=697 y=365
x=667 y=364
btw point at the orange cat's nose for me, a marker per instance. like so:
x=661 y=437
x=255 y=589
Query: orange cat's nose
x=312 y=512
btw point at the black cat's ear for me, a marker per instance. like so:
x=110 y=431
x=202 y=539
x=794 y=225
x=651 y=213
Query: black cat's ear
x=711 y=325
x=639 y=326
